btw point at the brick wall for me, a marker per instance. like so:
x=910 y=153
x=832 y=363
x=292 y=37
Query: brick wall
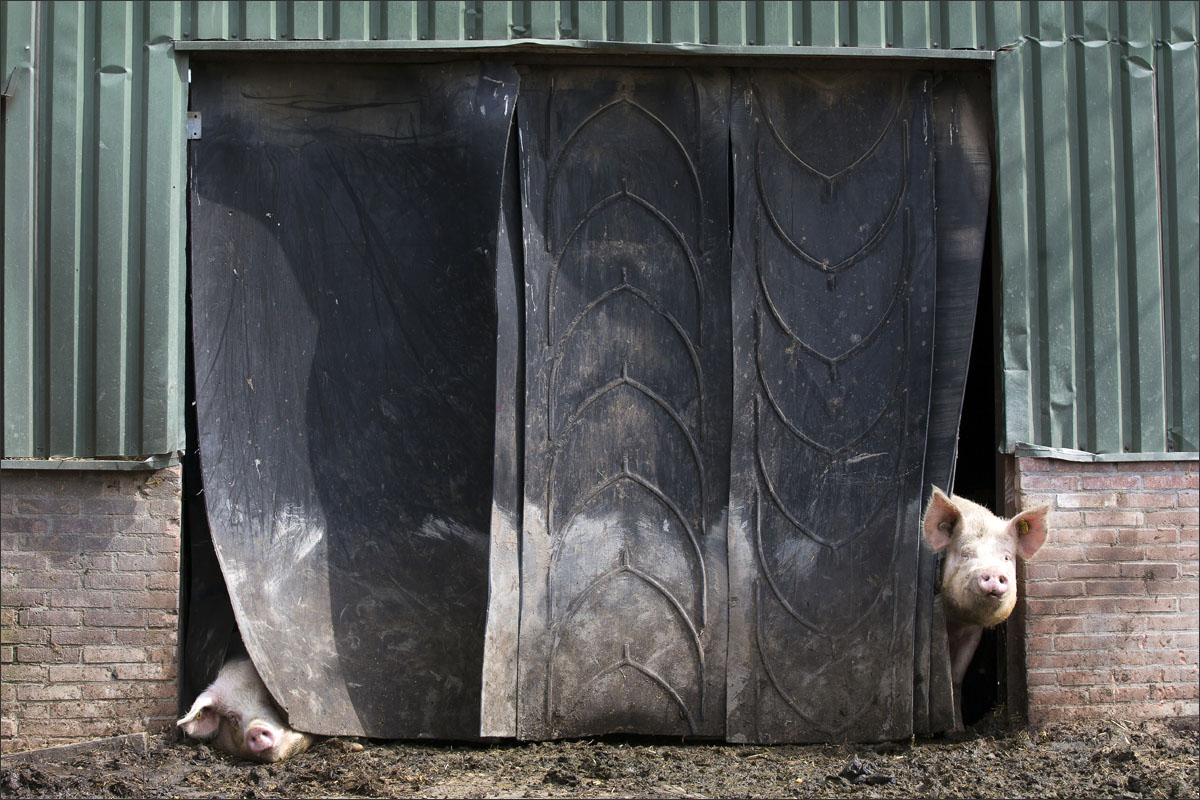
x=1111 y=599
x=89 y=604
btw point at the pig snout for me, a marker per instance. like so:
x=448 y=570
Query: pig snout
x=993 y=583
x=237 y=714
x=260 y=738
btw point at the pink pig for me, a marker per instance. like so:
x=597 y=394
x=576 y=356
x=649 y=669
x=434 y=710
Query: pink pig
x=237 y=714
x=979 y=574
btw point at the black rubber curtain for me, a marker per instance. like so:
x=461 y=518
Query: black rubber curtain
x=689 y=346
x=343 y=232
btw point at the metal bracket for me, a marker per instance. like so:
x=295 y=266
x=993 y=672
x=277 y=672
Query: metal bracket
x=192 y=126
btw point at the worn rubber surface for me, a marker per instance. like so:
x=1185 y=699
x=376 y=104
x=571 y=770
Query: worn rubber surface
x=343 y=235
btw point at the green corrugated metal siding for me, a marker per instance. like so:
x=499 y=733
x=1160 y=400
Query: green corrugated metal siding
x=1097 y=127
x=93 y=229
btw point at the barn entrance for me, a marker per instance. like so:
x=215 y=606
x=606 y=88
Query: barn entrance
x=689 y=348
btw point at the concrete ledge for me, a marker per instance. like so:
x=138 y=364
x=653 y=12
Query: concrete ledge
x=111 y=744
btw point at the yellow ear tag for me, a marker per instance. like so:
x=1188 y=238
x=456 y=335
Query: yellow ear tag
x=1023 y=526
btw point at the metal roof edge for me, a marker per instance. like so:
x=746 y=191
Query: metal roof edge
x=1026 y=450
x=566 y=45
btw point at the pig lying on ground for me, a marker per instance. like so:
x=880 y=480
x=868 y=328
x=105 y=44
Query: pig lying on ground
x=979 y=577
x=237 y=714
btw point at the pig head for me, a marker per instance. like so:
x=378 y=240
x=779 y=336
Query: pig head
x=236 y=713
x=979 y=569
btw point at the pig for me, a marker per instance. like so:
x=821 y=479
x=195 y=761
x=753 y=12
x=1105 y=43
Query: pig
x=237 y=714
x=979 y=578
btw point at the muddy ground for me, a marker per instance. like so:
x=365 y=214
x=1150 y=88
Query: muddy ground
x=1092 y=759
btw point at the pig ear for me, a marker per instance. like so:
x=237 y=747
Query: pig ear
x=1031 y=530
x=202 y=720
x=941 y=515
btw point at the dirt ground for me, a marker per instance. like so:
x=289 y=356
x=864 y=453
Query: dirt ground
x=1090 y=759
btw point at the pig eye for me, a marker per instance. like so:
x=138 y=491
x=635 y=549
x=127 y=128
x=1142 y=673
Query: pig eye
x=967 y=554
x=1008 y=557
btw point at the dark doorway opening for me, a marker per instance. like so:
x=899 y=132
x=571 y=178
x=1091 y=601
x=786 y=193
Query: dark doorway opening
x=975 y=479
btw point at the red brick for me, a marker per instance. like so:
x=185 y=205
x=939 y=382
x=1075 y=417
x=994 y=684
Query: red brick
x=1171 y=622
x=1041 y=678
x=7 y=654
x=130 y=563
x=1036 y=572
x=45 y=654
x=1111 y=482
x=114 y=618
x=1178 y=552
x=81 y=524
x=1084 y=677
x=1046 y=625
x=23 y=673
x=1087 y=500
x=21 y=562
x=74 y=730
x=130 y=690
x=1060 y=483
x=81 y=598
x=150 y=600
x=1147 y=536
x=1175 y=587
x=1113 y=519
x=120 y=580
x=69 y=691
x=1143 y=604
x=81 y=636
x=1076 y=536
x=52 y=580
x=1150 y=571
x=1098 y=587
x=148 y=672
x=116 y=506
x=1057 y=554
x=162 y=544
x=46 y=505
x=132 y=544
x=162 y=619
x=1186 y=691
x=31 y=529
x=1038 y=499
x=1188 y=499
x=115 y=654
x=1182 y=518
x=1041 y=696
x=1089 y=570
x=1095 y=641
x=77 y=709
x=16 y=635
x=1055 y=588
x=72 y=673
x=1115 y=623
x=1113 y=553
x=65 y=617
x=157 y=636
x=163 y=581
x=1170 y=481
x=1146 y=500
x=24 y=597
x=1065 y=519
x=145 y=527
x=1118 y=694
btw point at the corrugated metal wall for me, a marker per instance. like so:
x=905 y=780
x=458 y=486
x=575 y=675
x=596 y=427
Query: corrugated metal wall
x=1098 y=185
x=94 y=229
